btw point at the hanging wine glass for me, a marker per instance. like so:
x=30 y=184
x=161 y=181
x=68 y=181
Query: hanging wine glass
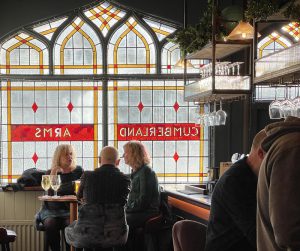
x=274 y=108
x=287 y=107
x=221 y=115
x=296 y=102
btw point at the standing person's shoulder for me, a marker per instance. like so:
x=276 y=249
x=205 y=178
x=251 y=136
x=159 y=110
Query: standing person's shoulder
x=124 y=176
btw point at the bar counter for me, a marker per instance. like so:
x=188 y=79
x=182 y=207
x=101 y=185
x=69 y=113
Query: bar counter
x=187 y=205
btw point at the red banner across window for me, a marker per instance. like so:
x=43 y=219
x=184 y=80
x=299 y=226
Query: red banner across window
x=144 y=132
x=70 y=132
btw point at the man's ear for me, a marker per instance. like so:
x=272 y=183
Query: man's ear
x=260 y=153
x=100 y=161
x=117 y=162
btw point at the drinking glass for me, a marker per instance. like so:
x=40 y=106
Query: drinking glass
x=46 y=184
x=275 y=108
x=55 y=183
x=221 y=115
x=287 y=107
x=296 y=102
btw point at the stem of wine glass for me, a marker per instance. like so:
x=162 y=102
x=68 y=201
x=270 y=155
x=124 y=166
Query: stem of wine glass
x=55 y=193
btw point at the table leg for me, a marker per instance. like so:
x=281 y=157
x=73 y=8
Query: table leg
x=73 y=215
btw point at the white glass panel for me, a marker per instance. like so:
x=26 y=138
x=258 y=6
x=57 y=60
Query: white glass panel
x=158 y=98
x=52 y=98
x=14 y=57
x=88 y=117
x=158 y=115
x=158 y=147
x=131 y=56
x=122 y=98
x=141 y=56
x=78 y=57
x=88 y=149
x=146 y=115
x=88 y=57
x=64 y=116
x=17 y=150
x=88 y=98
x=52 y=115
x=123 y=115
x=134 y=115
x=134 y=98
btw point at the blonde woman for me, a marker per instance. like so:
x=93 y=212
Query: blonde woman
x=55 y=215
x=144 y=197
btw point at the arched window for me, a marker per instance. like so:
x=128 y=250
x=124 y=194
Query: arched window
x=78 y=50
x=47 y=29
x=293 y=30
x=171 y=54
x=272 y=43
x=24 y=54
x=131 y=50
x=104 y=16
x=61 y=106
x=161 y=30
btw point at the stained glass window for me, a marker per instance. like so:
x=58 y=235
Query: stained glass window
x=161 y=30
x=293 y=29
x=131 y=50
x=154 y=112
x=272 y=43
x=104 y=16
x=171 y=55
x=37 y=116
x=24 y=54
x=78 y=50
x=47 y=29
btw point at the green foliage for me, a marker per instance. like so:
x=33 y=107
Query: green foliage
x=193 y=38
x=260 y=9
x=292 y=11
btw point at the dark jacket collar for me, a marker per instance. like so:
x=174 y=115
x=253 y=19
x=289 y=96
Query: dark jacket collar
x=107 y=167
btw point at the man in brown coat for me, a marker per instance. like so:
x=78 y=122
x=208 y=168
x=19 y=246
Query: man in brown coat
x=278 y=221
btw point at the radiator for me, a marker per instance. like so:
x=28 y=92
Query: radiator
x=28 y=239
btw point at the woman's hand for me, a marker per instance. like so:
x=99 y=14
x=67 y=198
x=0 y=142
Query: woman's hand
x=55 y=170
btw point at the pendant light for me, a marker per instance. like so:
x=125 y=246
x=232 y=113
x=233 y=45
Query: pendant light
x=242 y=31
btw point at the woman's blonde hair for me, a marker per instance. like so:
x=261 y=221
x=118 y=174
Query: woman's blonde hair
x=62 y=150
x=137 y=154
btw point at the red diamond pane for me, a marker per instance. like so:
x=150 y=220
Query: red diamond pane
x=176 y=106
x=70 y=106
x=35 y=158
x=176 y=156
x=34 y=107
x=140 y=106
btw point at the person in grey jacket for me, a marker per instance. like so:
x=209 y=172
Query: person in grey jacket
x=144 y=198
x=101 y=222
x=278 y=196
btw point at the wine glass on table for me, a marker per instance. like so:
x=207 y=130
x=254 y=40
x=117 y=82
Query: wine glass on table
x=45 y=184
x=55 y=182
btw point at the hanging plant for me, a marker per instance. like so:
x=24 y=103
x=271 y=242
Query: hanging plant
x=292 y=11
x=260 y=9
x=193 y=38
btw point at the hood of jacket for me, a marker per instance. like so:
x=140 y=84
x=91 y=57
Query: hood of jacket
x=278 y=129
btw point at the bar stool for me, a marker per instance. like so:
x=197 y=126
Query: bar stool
x=188 y=235
x=148 y=235
x=6 y=236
